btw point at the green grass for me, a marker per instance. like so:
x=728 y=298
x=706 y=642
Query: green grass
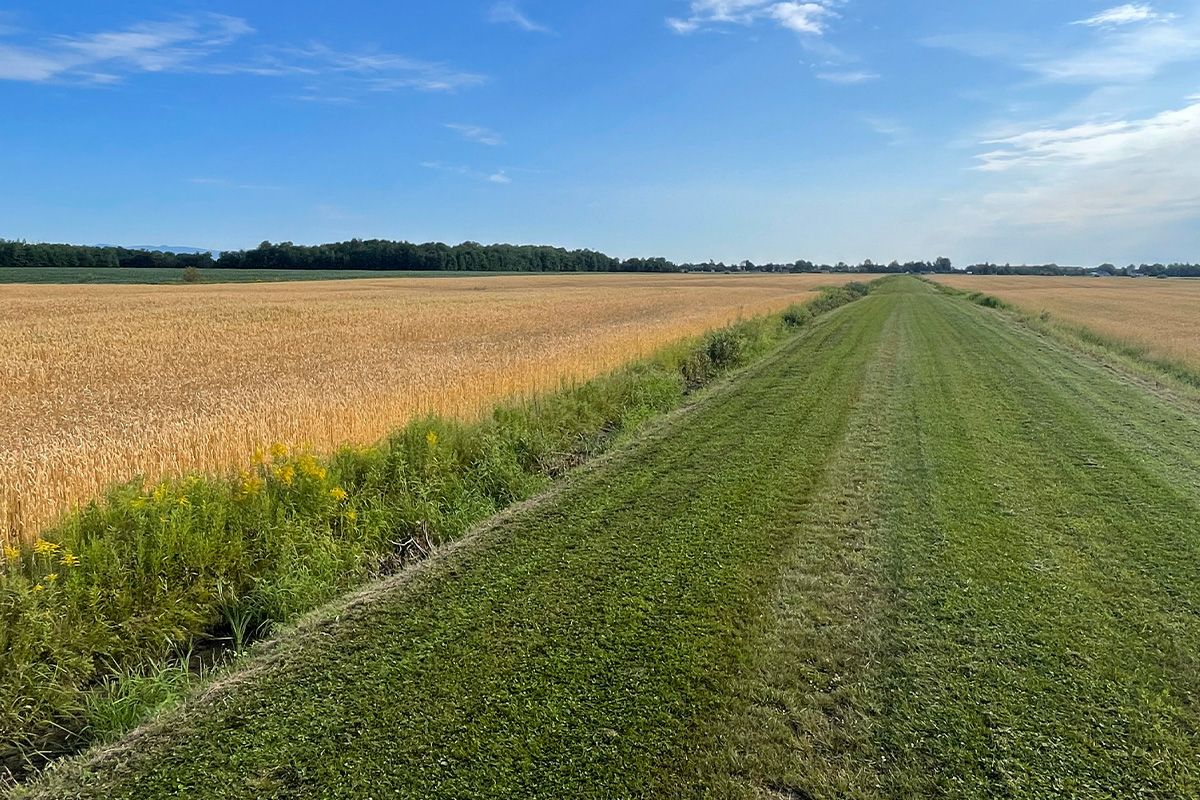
x=144 y=574
x=920 y=551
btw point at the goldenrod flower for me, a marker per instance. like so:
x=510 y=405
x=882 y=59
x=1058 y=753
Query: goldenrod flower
x=259 y=456
x=44 y=548
x=12 y=554
x=278 y=450
x=432 y=438
x=310 y=468
x=183 y=501
x=52 y=577
x=69 y=559
x=338 y=493
x=251 y=484
x=285 y=474
x=39 y=588
x=352 y=515
x=160 y=494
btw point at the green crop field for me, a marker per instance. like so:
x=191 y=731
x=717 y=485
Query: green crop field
x=918 y=551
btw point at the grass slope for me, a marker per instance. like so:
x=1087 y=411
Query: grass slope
x=921 y=552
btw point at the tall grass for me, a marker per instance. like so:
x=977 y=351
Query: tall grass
x=92 y=610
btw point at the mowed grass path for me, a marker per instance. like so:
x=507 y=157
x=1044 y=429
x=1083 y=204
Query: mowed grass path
x=919 y=552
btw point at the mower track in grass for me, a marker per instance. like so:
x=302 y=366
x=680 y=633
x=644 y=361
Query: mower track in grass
x=919 y=552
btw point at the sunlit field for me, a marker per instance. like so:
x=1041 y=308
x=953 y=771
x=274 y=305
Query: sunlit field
x=105 y=383
x=1160 y=316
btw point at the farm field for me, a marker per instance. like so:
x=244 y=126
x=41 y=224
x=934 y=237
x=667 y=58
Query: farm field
x=157 y=276
x=104 y=383
x=1158 y=317
x=920 y=551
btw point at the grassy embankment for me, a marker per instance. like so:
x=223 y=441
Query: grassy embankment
x=919 y=552
x=1142 y=336
x=89 y=611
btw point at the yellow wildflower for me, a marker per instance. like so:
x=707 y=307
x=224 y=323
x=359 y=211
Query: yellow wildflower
x=160 y=494
x=52 y=577
x=259 y=456
x=12 y=554
x=137 y=503
x=432 y=438
x=251 y=484
x=183 y=501
x=69 y=559
x=39 y=588
x=279 y=450
x=44 y=548
x=338 y=493
x=352 y=515
x=285 y=474
x=310 y=468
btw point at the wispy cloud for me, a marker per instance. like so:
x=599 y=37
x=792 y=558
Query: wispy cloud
x=334 y=73
x=476 y=133
x=1121 y=15
x=1124 y=53
x=1096 y=142
x=106 y=56
x=511 y=14
x=1128 y=171
x=196 y=44
x=848 y=77
x=893 y=130
x=499 y=176
x=811 y=18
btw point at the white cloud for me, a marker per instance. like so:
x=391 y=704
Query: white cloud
x=101 y=57
x=849 y=77
x=192 y=44
x=511 y=14
x=1125 y=55
x=810 y=18
x=1121 y=15
x=801 y=17
x=1131 y=172
x=894 y=130
x=1112 y=54
x=475 y=133
x=498 y=176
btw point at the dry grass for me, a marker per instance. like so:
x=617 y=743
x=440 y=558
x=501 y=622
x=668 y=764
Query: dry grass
x=104 y=383
x=1160 y=316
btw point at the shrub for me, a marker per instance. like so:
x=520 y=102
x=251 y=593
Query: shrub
x=192 y=274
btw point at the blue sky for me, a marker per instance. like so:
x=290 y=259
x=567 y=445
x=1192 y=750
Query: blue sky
x=1023 y=131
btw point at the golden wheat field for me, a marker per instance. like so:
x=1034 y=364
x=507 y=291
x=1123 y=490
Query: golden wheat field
x=1162 y=316
x=104 y=383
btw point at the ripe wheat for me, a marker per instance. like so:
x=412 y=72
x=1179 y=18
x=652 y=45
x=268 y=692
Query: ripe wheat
x=104 y=383
x=1159 y=316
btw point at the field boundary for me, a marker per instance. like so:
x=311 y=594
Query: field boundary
x=618 y=406
x=1151 y=372
x=287 y=641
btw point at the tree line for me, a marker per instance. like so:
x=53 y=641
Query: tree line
x=1175 y=270
x=22 y=254
x=384 y=255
